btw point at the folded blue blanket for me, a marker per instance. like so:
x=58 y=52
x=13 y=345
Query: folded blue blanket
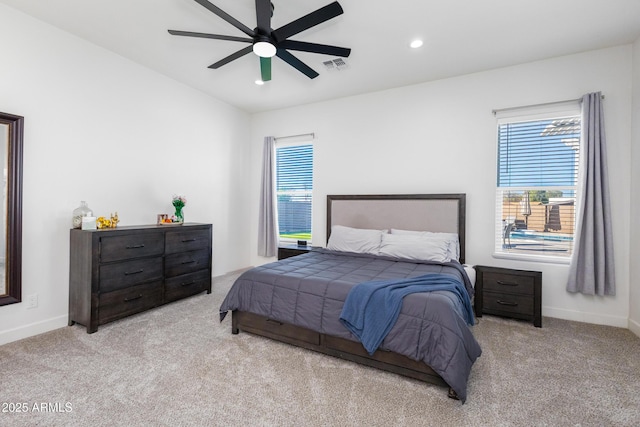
x=372 y=308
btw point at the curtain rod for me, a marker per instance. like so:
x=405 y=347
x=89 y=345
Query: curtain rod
x=312 y=135
x=499 y=110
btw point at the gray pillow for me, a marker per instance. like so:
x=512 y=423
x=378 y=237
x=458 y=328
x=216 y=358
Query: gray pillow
x=358 y=240
x=415 y=247
x=453 y=243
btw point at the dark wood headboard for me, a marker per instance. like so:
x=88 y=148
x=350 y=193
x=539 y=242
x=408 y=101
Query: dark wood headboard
x=424 y=212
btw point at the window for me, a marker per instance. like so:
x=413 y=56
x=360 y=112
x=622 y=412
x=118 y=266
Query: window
x=537 y=176
x=294 y=187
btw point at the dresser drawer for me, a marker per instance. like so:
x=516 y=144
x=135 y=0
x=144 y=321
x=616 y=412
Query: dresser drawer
x=510 y=283
x=187 y=262
x=508 y=303
x=187 y=240
x=116 y=248
x=117 y=304
x=185 y=285
x=121 y=275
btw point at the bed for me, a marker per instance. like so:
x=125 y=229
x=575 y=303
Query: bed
x=301 y=300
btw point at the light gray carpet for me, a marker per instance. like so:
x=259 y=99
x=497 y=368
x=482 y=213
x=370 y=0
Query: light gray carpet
x=178 y=366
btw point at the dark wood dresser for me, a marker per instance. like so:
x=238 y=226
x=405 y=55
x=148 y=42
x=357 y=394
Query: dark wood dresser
x=117 y=272
x=510 y=293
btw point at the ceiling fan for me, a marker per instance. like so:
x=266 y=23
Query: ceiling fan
x=266 y=42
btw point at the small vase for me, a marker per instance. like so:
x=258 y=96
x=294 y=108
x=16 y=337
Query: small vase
x=81 y=211
x=178 y=215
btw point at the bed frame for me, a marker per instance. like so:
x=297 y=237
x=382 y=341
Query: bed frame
x=428 y=212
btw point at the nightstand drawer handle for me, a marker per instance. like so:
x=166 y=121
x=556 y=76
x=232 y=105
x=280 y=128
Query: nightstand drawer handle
x=126 y=273
x=133 y=298
x=136 y=246
x=500 y=282
x=512 y=304
x=188 y=284
x=188 y=240
x=189 y=262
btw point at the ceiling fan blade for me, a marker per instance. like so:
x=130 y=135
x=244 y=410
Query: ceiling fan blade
x=312 y=19
x=263 y=13
x=224 y=15
x=265 y=69
x=315 y=48
x=210 y=36
x=233 y=56
x=296 y=63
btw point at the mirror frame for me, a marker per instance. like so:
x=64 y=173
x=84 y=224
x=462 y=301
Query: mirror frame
x=13 y=264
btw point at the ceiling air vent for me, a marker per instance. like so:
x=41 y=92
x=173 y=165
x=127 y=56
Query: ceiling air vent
x=335 y=64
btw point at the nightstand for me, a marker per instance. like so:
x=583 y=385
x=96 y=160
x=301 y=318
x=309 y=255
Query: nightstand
x=287 y=251
x=510 y=293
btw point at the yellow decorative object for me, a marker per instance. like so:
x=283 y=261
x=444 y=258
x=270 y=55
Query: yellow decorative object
x=103 y=222
x=114 y=220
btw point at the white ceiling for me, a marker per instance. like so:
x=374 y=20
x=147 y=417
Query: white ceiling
x=460 y=37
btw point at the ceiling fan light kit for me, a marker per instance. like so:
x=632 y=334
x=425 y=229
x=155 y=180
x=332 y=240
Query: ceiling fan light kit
x=264 y=49
x=266 y=42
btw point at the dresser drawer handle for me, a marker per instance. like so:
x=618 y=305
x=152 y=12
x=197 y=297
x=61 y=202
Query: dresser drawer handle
x=188 y=262
x=136 y=246
x=188 y=240
x=129 y=273
x=500 y=282
x=133 y=298
x=188 y=284
x=511 y=304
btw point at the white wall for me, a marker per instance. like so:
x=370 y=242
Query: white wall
x=439 y=137
x=634 y=252
x=103 y=129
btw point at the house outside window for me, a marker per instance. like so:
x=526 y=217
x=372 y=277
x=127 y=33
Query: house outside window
x=294 y=190
x=537 y=177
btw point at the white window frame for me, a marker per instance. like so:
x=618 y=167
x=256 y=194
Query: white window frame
x=532 y=113
x=292 y=141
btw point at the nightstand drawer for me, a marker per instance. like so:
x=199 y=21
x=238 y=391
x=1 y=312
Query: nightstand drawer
x=511 y=283
x=514 y=304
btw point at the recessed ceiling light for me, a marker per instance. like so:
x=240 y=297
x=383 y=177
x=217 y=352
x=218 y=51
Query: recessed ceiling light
x=416 y=44
x=259 y=82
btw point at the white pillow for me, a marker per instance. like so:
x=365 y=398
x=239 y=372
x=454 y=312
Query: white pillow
x=359 y=240
x=415 y=247
x=451 y=239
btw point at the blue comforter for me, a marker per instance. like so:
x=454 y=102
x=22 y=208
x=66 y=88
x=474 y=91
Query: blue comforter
x=372 y=308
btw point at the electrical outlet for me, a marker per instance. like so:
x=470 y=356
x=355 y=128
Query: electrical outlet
x=32 y=301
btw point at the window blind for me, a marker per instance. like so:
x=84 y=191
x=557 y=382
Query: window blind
x=537 y=176
x=294 y=189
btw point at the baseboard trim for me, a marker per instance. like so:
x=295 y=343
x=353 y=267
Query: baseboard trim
x=581 y=316
x=634 y=327
x=32 y=329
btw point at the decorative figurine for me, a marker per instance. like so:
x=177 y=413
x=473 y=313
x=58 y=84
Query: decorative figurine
x=114 y=220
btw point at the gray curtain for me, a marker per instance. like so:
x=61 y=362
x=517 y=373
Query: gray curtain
x=268 y=221
x=591 y=271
